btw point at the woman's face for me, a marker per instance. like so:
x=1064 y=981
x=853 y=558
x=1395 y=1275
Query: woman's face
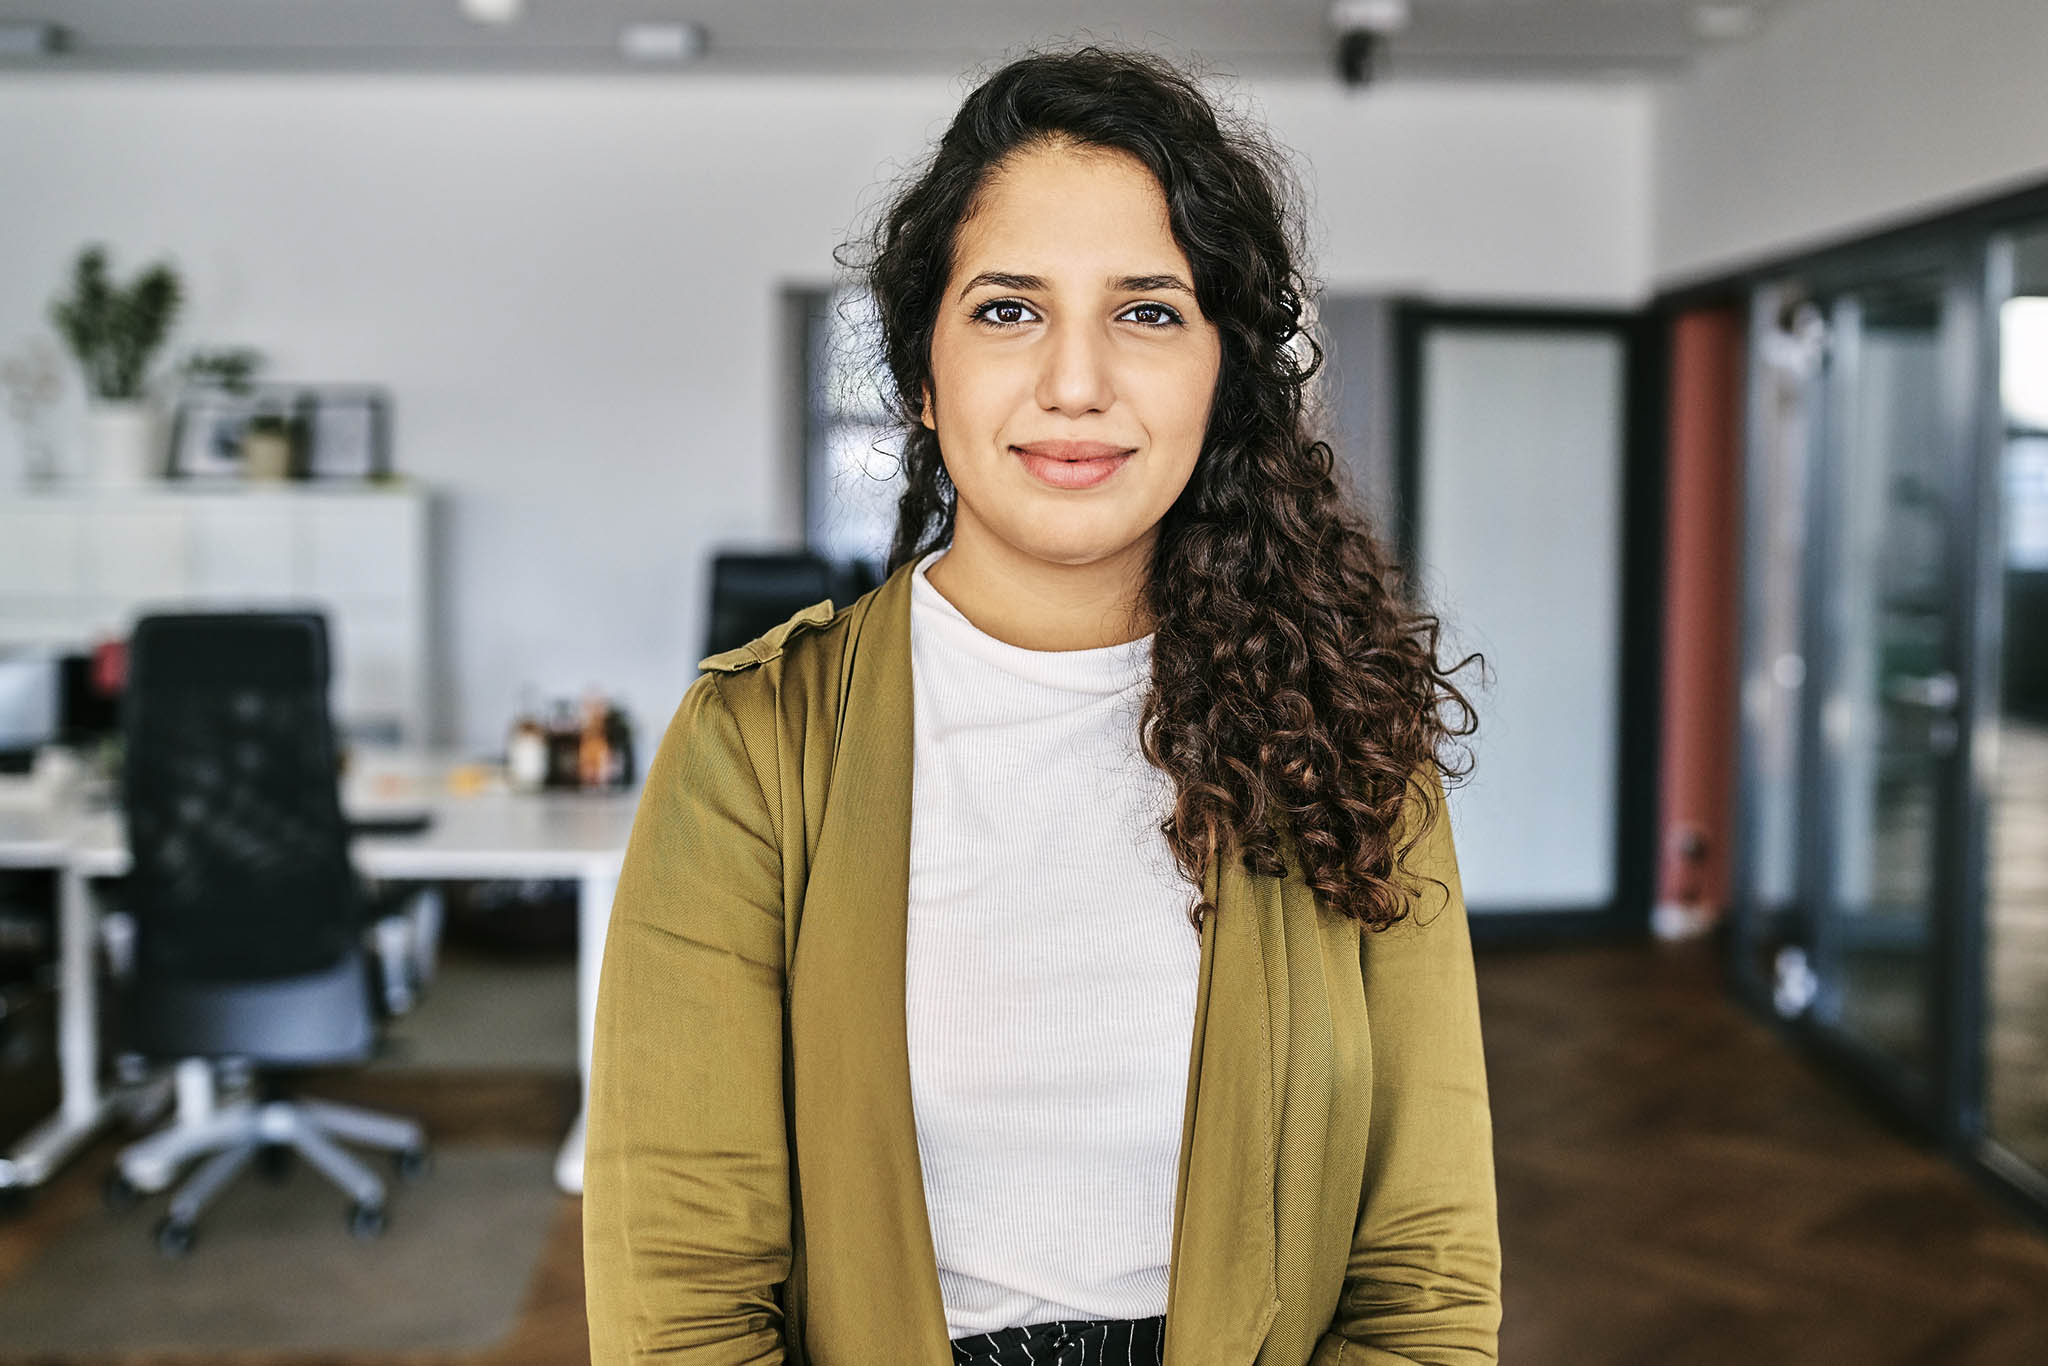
x=1071 y=368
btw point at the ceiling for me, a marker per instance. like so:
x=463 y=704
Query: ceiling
x=1273 y=38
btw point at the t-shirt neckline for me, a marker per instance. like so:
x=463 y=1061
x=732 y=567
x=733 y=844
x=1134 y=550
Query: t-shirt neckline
x=1097 y=668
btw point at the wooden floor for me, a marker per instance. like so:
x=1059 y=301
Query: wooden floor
x=1676 y=1190
x=2016 y=956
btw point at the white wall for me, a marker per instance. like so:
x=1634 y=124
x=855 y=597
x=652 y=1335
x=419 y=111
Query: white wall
x=1843 y=116
x=1524 y=193
x=570 y=286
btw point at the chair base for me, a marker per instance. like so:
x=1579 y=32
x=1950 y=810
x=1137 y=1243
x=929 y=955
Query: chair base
x=229 y=1136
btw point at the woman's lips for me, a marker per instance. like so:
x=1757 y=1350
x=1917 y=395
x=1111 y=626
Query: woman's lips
x=1072 y=464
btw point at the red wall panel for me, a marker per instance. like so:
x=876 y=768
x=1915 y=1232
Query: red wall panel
x=1701 y=610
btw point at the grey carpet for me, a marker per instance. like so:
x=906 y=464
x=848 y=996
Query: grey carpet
x=484 y=1012
x=276 y=1268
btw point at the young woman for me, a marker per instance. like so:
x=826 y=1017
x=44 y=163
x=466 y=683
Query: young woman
x=1058 y=955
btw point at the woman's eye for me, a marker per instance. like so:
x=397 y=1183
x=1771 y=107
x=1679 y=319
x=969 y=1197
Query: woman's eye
x=1002 y=312
x=1157 y=315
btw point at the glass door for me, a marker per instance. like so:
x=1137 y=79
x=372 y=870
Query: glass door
x=1864 y=672
x=1891 y=858
x=1888 y=725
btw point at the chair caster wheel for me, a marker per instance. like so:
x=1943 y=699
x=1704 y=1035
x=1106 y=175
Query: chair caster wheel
x=174 y=1239
x=412 y=1163
x=274 y=1160
x=119 y=1193
x=366 y=1221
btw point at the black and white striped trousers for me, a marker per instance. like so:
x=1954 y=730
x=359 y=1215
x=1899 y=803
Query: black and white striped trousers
x=1068 y=1342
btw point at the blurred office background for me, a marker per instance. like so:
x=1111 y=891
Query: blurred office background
x=1695 y=355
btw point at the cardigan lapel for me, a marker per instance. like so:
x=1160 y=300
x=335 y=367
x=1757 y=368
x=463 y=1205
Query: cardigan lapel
x=871 y=1270
x=1222 y=1286
x=863 y=1191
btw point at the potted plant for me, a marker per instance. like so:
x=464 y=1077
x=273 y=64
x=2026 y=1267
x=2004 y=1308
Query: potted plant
x=271 y=444
x=114 y=333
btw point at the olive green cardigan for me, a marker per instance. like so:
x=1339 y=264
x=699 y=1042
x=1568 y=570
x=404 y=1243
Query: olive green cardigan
x=752 y=1191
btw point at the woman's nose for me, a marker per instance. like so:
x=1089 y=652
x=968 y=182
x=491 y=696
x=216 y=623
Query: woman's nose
x=1076 y=375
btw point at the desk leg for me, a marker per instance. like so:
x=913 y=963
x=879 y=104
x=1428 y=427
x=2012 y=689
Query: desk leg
x=83 y=1108
x=593 y=916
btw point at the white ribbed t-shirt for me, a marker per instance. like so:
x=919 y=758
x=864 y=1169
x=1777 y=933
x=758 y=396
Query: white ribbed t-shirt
x=1050 y=976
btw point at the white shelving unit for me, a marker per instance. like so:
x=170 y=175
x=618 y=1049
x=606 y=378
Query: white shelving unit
x=80 y=563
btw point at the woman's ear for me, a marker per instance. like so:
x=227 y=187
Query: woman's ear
x=926 y=416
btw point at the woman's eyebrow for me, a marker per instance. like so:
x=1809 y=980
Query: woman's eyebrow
x=1146 y=284
x=1002 y=279
x=1129 y=284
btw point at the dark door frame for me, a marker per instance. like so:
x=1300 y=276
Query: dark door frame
x=1641 y=553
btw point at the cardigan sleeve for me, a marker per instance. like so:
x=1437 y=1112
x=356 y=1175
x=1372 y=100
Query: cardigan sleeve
x=686 y=1224
x=1422 y=1283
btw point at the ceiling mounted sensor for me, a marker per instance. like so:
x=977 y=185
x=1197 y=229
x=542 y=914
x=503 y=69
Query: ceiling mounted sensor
x=662 y=43
x=492 y=11
x=1363 y=27
x=32 y=39
x=1724 y=22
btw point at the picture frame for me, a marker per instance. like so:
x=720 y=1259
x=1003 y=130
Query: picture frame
x=341 y=432
x=206 y=433
x=348 y=432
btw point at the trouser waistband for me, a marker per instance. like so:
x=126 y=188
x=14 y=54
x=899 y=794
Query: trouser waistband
x=1068 y=1342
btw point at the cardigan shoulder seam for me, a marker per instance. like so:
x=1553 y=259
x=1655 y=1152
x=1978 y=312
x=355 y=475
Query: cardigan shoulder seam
x=769 y=644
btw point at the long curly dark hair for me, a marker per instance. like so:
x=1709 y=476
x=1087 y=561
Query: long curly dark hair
x=1296 y=696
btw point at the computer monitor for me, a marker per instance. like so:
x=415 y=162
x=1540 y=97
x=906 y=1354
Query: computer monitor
x=30 y=703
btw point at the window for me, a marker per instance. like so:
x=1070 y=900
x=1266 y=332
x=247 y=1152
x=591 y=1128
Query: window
x=852 y=445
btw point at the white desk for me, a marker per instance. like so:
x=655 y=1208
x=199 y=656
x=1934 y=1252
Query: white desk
x=33 y=837
x=487 y=835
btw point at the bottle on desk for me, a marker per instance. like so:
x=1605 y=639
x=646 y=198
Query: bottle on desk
x=526 y=747
x=605 y=746
x=526 y=755
x=565 y=740
x=618 y=734
x=587 y=747
x=593 y=755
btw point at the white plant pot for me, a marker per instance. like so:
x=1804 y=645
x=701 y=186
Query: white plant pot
x=121 y=439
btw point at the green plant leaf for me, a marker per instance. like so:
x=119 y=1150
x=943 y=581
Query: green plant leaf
x=112 y=332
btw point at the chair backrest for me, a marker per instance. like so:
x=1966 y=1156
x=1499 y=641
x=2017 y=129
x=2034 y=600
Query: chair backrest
x=231 y=790
x=753 y=592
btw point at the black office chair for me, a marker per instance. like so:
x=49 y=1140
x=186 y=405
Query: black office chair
x=249 y=923
x=752 y=592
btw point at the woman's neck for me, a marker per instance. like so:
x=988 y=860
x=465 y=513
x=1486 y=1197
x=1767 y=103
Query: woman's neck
x=1039 y=604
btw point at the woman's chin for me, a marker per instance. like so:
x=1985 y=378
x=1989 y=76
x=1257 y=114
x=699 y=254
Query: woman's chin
x=1068 y=548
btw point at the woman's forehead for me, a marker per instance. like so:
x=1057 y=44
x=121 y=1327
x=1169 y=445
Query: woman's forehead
x=1069 y=216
